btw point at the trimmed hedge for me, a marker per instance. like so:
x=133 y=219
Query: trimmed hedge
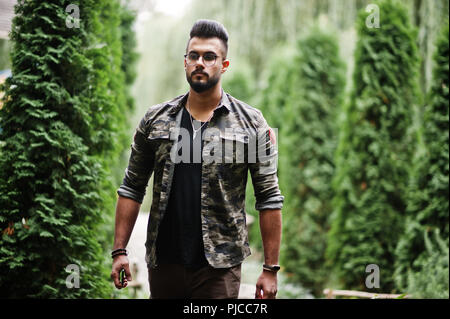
x=310 y=140
x=428 y=207
x=63 y=124
x=375 y=150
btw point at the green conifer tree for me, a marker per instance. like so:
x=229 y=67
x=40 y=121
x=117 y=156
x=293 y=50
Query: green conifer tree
x=311 y=133
x=432 y=279
x=276 y=87
x=63 y=116
x=375 y=150
x=428 y=194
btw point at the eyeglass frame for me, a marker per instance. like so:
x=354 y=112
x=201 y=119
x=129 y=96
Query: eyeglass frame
x=201 y=56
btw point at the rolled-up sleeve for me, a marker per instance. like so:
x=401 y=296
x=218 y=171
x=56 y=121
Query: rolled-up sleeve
x=264 y=170
x=140 y=166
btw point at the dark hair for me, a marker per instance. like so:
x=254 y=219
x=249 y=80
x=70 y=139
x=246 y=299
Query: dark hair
x=209 y=29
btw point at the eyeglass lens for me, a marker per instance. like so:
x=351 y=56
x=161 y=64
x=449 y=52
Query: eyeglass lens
x=208 y=58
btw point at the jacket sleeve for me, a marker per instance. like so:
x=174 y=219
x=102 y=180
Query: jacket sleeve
x=263 y=170
x=140 y=166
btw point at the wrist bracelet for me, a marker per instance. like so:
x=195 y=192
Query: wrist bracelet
x=272 y=268
x=118 y=252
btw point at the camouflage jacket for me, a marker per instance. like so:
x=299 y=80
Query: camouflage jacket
x=224 y=176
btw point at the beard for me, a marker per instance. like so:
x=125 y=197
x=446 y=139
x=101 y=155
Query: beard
x=199 y=86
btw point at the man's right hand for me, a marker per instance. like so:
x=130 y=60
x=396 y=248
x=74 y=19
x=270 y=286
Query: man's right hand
x=120 y=262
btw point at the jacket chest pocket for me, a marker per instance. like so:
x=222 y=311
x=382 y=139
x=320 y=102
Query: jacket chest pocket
x=234 y=148
x=160 y=138
x=225 y=149
x=229 y=166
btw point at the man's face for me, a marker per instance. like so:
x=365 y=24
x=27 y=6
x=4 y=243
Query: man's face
x=200 y=76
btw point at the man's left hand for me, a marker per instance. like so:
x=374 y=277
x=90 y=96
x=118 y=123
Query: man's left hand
x=266 y=286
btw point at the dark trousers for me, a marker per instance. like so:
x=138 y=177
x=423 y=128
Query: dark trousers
x=171 y=281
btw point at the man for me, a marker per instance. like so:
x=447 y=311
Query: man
x=197 y=236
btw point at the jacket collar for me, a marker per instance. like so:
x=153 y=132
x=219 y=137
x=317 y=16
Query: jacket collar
x=177 y=103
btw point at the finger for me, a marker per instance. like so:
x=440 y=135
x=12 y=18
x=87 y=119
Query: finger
x=266 y=293
x=127 y=272
x=270 y=293
x=258 y=292
x=115 y=277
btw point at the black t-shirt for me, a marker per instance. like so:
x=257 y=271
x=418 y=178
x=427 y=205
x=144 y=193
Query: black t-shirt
x=180 y=239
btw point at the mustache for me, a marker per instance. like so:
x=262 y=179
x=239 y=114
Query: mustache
x=198 y=72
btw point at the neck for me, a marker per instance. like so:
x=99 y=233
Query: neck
x=205 y=101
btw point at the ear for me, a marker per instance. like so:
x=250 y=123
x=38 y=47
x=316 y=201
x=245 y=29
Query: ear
x=225 y=65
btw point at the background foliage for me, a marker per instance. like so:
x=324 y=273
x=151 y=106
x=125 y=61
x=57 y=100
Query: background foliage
x=309 y=136
x=422 y=247
x=62 y=132
x=375 y=148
